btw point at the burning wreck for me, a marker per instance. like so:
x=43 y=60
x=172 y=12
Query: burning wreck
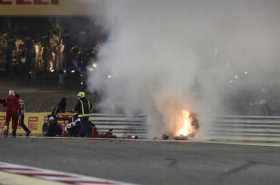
x=187 y=127
x=180 y=122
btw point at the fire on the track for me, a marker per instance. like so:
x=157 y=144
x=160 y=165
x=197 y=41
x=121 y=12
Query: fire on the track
x=187 y=125
x=184 y=126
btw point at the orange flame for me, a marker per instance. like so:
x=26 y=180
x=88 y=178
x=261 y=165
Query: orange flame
x=186 y=128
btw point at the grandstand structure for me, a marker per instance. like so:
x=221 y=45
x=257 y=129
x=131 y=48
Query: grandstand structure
x=45 y=48
x=47 y=40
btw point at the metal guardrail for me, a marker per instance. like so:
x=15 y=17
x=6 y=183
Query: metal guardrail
x=254 y=129
x=122 y=125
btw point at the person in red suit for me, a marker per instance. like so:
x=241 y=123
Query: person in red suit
x=12 y=107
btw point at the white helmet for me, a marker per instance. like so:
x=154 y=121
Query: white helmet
x=12 y=93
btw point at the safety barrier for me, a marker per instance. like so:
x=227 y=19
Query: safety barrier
x=254 y=129
x=122 y=125
x=34 y=121
x=250 y=129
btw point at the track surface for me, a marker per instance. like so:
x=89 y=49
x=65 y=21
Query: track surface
x=157 y=163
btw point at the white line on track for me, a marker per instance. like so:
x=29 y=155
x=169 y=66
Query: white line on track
x=226 y=142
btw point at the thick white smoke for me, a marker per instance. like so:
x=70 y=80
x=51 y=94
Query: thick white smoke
x=163 y=55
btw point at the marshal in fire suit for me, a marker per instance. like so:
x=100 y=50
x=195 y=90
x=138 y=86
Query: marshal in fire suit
x=12 y=107
x=83 y=108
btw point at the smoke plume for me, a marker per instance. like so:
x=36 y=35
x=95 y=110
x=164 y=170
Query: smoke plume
x=162 y=56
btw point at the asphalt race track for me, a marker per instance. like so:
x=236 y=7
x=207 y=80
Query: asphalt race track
x=151 y=163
